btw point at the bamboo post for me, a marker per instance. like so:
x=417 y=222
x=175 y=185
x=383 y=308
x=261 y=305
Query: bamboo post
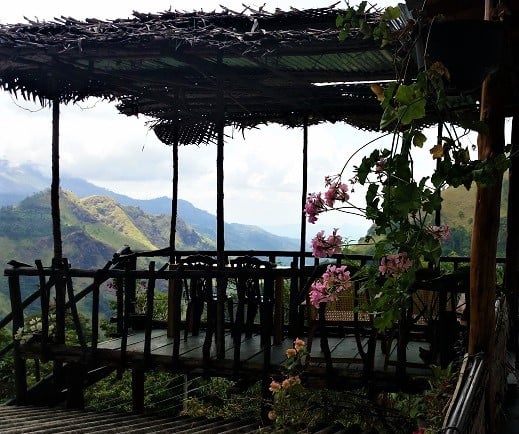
x=173 y=232
x=220 y=226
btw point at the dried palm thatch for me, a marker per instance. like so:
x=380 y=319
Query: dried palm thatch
x=274 y=67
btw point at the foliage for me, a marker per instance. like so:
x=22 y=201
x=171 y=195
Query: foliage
x=296 y=408
x=215 y=397
x=292 y=403
x=163 y=393
x=6 y=369
x=399 y=202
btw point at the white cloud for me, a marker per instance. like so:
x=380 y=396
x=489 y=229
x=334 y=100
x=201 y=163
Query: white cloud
x=262 y=171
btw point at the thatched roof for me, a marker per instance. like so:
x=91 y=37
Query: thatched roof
x=272 y=67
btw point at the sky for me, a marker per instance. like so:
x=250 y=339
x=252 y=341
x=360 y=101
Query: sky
x=263 y=169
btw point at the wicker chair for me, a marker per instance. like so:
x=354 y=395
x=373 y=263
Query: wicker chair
x=343 y=316
x=431 y=317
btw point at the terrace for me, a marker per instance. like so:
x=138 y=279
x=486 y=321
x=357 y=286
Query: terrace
x=196 y=74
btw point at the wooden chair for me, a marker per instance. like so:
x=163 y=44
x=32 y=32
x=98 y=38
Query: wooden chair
x=199 y=292
x=255 y=296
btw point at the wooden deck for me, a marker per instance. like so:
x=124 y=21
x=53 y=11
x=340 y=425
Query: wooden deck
x=345 y=356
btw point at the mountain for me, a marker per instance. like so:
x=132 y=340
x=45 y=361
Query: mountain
x=22 y=181
x=18 y=182
x=93 y=228
x=96 y=222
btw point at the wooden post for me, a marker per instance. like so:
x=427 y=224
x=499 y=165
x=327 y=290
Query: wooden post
x=294 y=296
x=54 y=189
x=174 y=198
x=512 y=240
x=484 y=237
x=220 y=225
x=138 y=390
x=75 y=382
x=173 y=231
x=20 y=366
x=438 y=211
x=56 y=225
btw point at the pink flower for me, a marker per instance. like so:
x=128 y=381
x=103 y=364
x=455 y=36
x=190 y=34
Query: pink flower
x=295 y=379
x=379 y=166
x=395 y=264
x=314 y=206
x=336 y=191
x=290 y=381
x=324 y=248
x=440 y=233
x=275 y=386
x=328 y=287
x=299 y=344
x=291 y=352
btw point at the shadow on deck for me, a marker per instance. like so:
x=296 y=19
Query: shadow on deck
x=347 y=371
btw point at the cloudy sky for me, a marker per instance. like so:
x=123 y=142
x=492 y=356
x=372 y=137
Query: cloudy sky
x=262 y=170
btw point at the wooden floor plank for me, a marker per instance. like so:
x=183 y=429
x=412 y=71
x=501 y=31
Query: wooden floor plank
x=343 y=349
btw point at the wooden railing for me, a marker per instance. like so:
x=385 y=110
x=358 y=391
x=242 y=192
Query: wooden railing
x=126 y=269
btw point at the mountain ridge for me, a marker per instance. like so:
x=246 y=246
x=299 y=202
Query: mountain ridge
x=18 y=182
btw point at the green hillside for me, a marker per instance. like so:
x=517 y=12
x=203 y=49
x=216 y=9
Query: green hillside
x=458 y=212
x=458 y=205
x=93 y=229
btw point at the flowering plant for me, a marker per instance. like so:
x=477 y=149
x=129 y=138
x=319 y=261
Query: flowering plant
x=400 y=204
x=289 y=395
x=328 y=287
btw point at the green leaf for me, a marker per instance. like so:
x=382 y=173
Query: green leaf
x=389 y=116
x=391 y=13
x=405 y=94
x=419 y=139
x=365 y=29
x=478 y=126
x=414 y=111
x=389 y=92
x=339 y=21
